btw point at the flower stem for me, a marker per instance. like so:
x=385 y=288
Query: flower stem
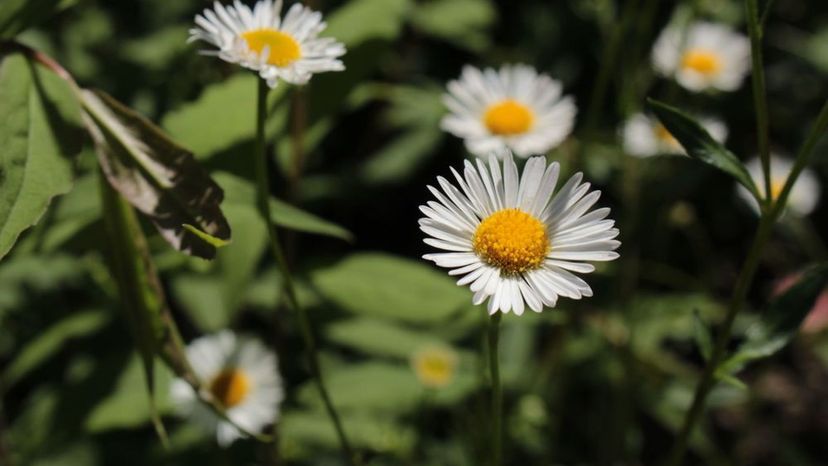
x=497 y=393
x=760 y=101
x=288 y=284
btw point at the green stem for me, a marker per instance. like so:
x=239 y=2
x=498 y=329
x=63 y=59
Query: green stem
x=768 y=219
x=497 y=393
x=288 y=283
x=760 y=101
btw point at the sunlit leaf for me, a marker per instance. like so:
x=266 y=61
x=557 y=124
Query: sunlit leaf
x=158 y=177
x=377 y=337
x=700 y=144
x=301 y=433
x=240 y=191
x=377 y=284
x=39 y=132
x=464 y=23
x=358 y=21
x=703 y=339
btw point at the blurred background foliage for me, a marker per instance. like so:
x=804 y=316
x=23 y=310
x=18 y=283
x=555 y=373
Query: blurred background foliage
x=602 y=381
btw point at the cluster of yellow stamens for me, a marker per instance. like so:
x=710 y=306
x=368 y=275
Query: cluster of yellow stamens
x=230 y=387
x=282 y=48
x=508 y=117
x=702 y=61
x=511 y=240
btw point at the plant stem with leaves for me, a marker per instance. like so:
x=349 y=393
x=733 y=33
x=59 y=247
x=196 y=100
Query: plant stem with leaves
x=288 y=283
x=769 y=215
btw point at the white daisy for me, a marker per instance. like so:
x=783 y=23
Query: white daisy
x=804 y=195
x=239 y=373
x=707 y=56
x=513 y=108
x=511 y=239
x=259 y=39
x=645 y=136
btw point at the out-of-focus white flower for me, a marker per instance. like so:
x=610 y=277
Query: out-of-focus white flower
x=241 y=375
x=804 y=195
x=706 y=56
x=645 y=136
x=514 y=108
x=434 y=365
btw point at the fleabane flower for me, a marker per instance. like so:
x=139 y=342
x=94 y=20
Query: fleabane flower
x=278 y=48
x=434 y=365
x=804 y=194
x=644 y=136
x=514 y=108
x=705 y=56
x=515 y=240
x=241 y=375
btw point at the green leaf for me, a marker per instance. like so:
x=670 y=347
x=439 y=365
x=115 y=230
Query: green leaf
x=158 y=177
x=366 y=387
x=382 y=285
x=240 y=191
x=359 y=21
x=464 y=23
x=781 y=321
x=196 y=126
x=703 y=339
x=51 y=340
x=403 y=155
x=379 y=338
x=126 y=406
x=39 y=131
x=700 y=145
x=19 y=15
x=301 y=433
x=215 y=242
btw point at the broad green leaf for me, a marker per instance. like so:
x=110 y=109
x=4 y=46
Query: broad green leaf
x=464 y=23
x=158 y=177
x=381 y=285
x=126 y=406
x=51 y=340
x=215 y=242
x=377 y=337
x=213 y=298
x=700 y=145
x=18 y=15
x=703 y=339
x=358 y=21
x=240 y=191
x=780 y=322
x=39 y=132
x=301 y=433
x=73 y=213
x=223 y=116
x=366 y=387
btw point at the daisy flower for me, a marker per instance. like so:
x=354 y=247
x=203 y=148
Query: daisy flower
x=644 y=136
x=514 y=108
x=435 y=366
x=706 y=56
x=511 y=239
x=804 y=194
x=260 y=39
x=241 y=375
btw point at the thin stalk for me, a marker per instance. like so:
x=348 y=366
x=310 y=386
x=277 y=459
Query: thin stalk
x=768 y=219
x=760 y=100
x=497 y=392
x=288 y=283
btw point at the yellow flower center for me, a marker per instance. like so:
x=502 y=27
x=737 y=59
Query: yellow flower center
x=664 y=136
x=512 y=241
x=434 y=366
x=282 y=48
x=776 y=188
x=701 y=61
x=508 y=118
x=230 y=387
